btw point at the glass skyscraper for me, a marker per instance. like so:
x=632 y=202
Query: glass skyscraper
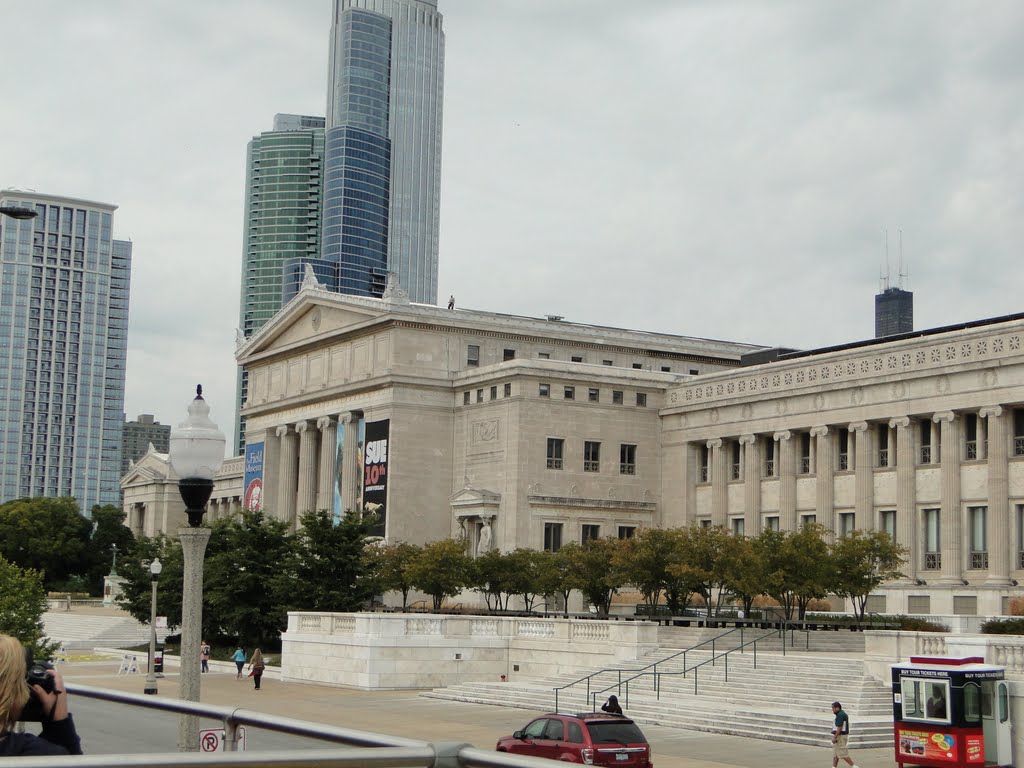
x=282 y=222
x=64 y=289
x=382 y=169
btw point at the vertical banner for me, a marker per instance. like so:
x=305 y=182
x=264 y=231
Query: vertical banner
x=375 y=471
x=253 y=496
x=339 y=472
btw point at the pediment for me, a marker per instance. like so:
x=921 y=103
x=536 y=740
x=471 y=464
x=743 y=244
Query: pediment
x=153 y=466
x=474 y=498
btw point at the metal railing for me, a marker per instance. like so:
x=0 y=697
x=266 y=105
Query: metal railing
x=382 y=751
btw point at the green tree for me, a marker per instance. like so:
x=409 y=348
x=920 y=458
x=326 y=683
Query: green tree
x=744 y=572
x=526 y=571
x=391 y=565
x=137 y=585
x=645 y=560
x=109 y=531
x=598 y=577
x=249 y=578
x=549 y=577
x=47 y=535
x=564 y=577
x=331 y=562
x=861 y=562
x=492 y=575
x=705 y=561
x=22 y=605
x=771 y=550
x=810 y=564
x=441 y=570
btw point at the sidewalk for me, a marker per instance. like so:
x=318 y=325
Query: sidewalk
x=404 y=713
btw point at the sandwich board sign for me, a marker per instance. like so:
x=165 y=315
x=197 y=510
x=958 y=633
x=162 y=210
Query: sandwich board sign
x=212 y=739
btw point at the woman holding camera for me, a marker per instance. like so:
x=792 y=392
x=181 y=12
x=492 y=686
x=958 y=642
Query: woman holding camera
x=59 y=736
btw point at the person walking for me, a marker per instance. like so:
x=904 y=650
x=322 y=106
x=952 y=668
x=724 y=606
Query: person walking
x=204 y=657
x=840 y=736
x=256 y=667
x=612 y=706
x=239 y=658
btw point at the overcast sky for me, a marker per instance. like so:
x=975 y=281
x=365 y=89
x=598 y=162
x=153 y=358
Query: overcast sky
x=709 y=168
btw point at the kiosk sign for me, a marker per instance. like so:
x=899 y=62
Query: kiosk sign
x=940 y=746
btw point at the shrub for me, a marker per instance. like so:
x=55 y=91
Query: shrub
x=763 y=601
x=915 y=624
x=1003 y=627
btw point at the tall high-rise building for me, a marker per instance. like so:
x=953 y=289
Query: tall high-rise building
x=139 y=435
x=282 y=220
x=64 y=291
x=894 y=312
x=382 y=169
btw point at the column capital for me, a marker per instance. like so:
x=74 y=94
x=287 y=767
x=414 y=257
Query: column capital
x=990 y=410
x=281 y=430
x=345 y=418
x=747 y=439
x=947 y=416
x=783 y=435
x=715 y=443
x=301 y=426
x=819 y=431
x=899 y=421
x=324 y=422
x=858 y=426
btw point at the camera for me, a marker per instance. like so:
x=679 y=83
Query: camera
x=36 y=674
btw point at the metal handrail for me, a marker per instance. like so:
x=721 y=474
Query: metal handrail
x=387 y=751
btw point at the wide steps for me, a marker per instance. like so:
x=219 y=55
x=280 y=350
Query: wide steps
x=83 y=631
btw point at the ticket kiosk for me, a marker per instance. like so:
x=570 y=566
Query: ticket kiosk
x=950 y=712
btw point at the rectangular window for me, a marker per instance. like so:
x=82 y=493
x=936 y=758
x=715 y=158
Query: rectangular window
x=627 y=459
x=925 y=430
x=641 y=399
x=1020 y=535
x=970 y=436
x=805 y=453
x=883 y=445
x=846 y=520
x=508 y=389
x=737 y=526
x=591 y=456
x=919 y=605
x=977 y=521
x=808 y=519
x=577 y=359
x=607 y=362
x=594 y=395
x=843 y=463
x=1018 y=431
x=932 y=528
x=494 y=392
x=666 y=369
x=473 y=355
x=508 y=354
x=570 y=393
x=544 y=355
x=888 y=522
x=479 y=395
x=590 y=533
x=638 y=366
x=544 y=390
x=552 y=537
x=555 y=450
x=965 y=605
x=465 y=397
x=627 y=531
x=734 y=465
x=694 y=371
x=616 y=397
x=769 y=458
x=704 y=466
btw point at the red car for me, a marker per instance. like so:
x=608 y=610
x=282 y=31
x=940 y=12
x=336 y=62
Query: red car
x=591 y=738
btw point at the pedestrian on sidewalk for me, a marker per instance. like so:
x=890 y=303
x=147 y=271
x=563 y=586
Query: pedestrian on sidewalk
x=239 y=658
x=204 y=657
x=612 y=706
x=256 y=667
x=840 y=736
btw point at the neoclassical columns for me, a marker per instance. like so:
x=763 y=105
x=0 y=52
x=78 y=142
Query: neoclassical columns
x=952 y=518
x=751 y=452
x=325 y=475
x=825 y=488
x=719 y=482
x=864 y=476
x=350 y=462
x=998 y=514
x=787 y=479
x=308 y=461
x=906 y=511
x=286 y=474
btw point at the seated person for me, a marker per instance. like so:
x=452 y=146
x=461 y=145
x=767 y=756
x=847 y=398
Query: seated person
x=936 y=706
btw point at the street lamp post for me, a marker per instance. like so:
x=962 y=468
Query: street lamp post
x=154 y=574
x=196 y=452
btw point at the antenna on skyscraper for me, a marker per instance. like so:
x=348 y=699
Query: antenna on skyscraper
x=883 y=277
x=903 y=273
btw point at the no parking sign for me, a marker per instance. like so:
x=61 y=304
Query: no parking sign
x=212 y=739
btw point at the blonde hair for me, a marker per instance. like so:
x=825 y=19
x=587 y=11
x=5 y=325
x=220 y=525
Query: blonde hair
x=257 y=657
x=13 y=688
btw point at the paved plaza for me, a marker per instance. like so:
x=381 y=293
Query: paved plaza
x=404 y=713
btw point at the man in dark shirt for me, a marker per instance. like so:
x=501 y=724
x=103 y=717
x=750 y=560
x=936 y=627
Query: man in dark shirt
x=840 y=736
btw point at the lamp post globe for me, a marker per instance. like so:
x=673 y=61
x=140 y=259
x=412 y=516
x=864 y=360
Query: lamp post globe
x=155 y=567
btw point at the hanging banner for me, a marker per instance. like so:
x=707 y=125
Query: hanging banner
x=253 y=497
x=339 y=465
x=375 y=471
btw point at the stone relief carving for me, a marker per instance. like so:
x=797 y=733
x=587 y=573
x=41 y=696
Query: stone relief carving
x=485 y=431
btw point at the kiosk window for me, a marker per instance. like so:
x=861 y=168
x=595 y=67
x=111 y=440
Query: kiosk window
x=925 y=699
x=1004 y=704
x=911 y=703
x=972 y=703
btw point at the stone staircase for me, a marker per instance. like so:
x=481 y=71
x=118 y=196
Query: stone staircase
x=785 y=698
x=110 y=628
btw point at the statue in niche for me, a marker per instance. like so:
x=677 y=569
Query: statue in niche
x=483 y=542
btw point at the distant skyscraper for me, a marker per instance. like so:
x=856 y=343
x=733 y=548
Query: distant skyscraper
x=63 y=339
x=139 y=434
x=282 y=220
x=894 y=312
x=382 y=170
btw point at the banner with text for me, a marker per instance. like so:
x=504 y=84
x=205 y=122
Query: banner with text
x=253 y=497
x=375 y=471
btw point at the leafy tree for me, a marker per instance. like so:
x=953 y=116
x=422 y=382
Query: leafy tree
x=137 y=585
x=492 y=575
x=22 y=605
x=598 y=577
x=771 y=550
x=811 y=571
x=550 y=575
x=47 y=535
x=744 y=572
x=644 y=561
x=861 y=562
x=564 y=577
x=441 y=570
x=391 y=565
x=526 y=568
x=706 y=555
x=249 y=578
x=331 y=562
x=108 y=531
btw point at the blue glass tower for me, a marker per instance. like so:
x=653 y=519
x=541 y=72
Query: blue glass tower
x=383 y=146
x=64 y=289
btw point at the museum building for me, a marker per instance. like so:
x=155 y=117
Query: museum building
x=515 y=431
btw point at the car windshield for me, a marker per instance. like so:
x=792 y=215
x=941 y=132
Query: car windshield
x=615 y=732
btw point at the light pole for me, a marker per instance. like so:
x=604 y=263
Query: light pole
x=196 y=452
x=154 y=574
x=17 y=213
